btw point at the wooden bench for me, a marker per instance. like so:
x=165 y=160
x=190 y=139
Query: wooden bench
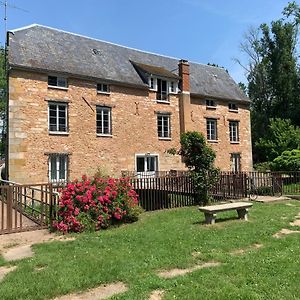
x=211 y=211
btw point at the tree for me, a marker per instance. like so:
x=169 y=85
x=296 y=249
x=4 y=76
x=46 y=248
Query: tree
x=287 y=161
x=199 y=159
x=273 y=73
x=282 y=135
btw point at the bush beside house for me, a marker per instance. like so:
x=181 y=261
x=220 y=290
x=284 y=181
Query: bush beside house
x=95 y=203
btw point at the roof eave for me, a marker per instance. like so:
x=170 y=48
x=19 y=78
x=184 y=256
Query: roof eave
x=79 y=76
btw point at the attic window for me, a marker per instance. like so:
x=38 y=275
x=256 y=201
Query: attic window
x=58 y=82
x=103 y=88
x=232 y=107
x=96 y=51
x=210 y=103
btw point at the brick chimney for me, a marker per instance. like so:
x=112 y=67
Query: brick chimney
x=184 y=96
x=184 y=73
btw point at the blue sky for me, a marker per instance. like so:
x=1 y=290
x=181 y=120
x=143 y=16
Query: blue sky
x=198 y=30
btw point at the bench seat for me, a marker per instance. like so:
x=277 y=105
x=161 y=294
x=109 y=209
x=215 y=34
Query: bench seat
x=211 y=211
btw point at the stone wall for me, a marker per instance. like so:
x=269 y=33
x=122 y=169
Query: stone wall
x=134 y=128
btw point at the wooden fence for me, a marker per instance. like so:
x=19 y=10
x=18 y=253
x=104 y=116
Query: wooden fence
x=26 y=207
x=164 y=192
x=170 y=189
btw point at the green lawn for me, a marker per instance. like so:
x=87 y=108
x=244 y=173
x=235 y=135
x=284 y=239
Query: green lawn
x=133 y=254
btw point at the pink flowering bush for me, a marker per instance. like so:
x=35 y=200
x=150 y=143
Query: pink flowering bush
x=95 y=203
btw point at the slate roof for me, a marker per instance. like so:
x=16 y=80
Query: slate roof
x=52 y=50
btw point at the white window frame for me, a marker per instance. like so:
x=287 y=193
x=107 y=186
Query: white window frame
x=172 y=86
x=146 y=171
x=57 y=117
x=235 y=109
x=165 y=121
x=59 y=79
x=211 y=125
x=101 y=110
x=102 y=90
x=56 y=159
x=210 y=103
x=235 y=160
x=234 y=135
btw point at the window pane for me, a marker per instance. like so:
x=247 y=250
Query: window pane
x=61 y=82
x=53 y=173
x=151 y=163
x=140 y=164
x=62 y=167
x=52 y=80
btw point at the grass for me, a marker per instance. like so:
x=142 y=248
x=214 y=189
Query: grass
x=161 y=240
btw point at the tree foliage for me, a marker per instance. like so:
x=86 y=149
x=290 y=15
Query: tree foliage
x=282 y=135
x=273 y=73
x=287 y=161
x=199 y=159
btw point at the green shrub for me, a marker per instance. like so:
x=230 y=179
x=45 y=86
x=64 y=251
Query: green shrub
x=287 y=161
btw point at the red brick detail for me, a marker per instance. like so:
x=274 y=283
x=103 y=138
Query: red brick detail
x=184 y=73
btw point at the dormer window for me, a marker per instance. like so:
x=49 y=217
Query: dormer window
x=163 y=87
x=103 y=88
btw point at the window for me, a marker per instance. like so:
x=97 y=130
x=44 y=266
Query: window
x=235 y=160
x=58 y=117
x=210 y=103
x=163 y=126
x=211 y=128
x=232 y=106
x=147 y=163
x=103 y=120
x=55 y=81
x=58 y=167
x=234 y=131
x=172 y=87
x=162 y=91
x=152 y=83
x=102 y=88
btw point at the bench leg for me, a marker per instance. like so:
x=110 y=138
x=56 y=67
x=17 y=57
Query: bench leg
x=210 y=218
x=243 y=214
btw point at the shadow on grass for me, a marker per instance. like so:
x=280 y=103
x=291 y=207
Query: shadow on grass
x=218 y=220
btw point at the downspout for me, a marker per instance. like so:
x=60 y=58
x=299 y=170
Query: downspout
x=6 y=122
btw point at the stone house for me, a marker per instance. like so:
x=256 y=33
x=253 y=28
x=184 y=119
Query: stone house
x=76 y=104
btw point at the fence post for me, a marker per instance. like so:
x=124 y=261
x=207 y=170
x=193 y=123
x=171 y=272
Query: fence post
x=51 y=210
x=9 y=207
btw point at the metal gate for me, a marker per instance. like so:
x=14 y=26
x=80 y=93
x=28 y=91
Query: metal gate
x=26 y=207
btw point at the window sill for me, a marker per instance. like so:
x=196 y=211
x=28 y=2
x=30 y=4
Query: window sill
x=103 y=93
x=165 y=138
x=57 y=87
x=233 y=110
x=213 y=141
x=58 y=133
x=211 y=107
x=233 y=142
x=163 y=101
x=104 y=135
